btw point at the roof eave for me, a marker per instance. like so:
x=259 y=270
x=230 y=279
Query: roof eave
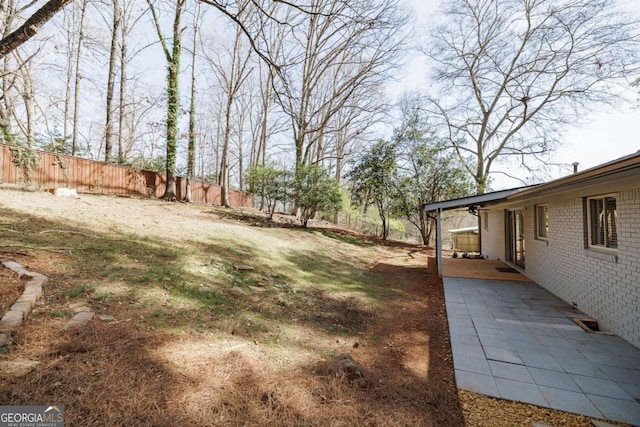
x=622 y=164
x=478 y=200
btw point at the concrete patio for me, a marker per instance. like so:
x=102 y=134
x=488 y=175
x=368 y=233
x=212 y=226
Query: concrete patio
x=514 y=340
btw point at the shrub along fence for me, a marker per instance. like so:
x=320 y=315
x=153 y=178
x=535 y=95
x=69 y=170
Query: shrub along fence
x=49 y=170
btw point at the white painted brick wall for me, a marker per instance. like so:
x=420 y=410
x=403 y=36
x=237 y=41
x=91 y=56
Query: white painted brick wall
x=607 y=290
x=493 y=246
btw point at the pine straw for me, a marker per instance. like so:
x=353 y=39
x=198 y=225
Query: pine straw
x=121 y=374
x=10 y=289
x=485 y=411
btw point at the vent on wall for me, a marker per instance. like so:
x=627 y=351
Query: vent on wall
x=589 y=325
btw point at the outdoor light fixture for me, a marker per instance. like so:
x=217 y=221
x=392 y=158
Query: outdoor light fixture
x=473 y=209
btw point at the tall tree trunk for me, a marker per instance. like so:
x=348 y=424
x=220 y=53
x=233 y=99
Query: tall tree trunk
x=224 y=164
x=173 y=104
x=339 y=153
x=264 y=131
x=108 y=137
x=173 y=95
x=69 y=23
x=266 y=91
x=233 y=81
x=191 y=150
x=28 y=97
x=6 y=103
x=240 y=153
x=78 y=77
x=122 y=153
x=173 y=109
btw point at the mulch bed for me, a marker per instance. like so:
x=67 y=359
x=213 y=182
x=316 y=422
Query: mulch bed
x=10 y=289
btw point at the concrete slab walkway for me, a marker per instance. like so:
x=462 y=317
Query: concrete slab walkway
x=516 y=341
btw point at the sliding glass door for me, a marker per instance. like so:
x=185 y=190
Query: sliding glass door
x=515 y=237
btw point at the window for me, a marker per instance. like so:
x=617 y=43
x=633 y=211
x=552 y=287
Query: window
x=542 y=222
x=485 y=220
x=602 y=217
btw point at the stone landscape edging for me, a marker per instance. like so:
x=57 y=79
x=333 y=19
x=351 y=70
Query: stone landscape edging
x=20 y=309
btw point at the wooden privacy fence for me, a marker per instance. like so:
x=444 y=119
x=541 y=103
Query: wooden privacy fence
x=89 y=176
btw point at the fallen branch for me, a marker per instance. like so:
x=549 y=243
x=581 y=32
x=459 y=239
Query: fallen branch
x=14 y=253
x=65 y=251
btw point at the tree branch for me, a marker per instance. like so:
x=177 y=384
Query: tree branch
x=31 y=26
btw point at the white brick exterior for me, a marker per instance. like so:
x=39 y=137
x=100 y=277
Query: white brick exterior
x=492 y=234
x=606 y=286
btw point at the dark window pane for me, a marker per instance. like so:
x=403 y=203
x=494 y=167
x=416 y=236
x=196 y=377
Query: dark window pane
x=611 y=218
x=597 y=222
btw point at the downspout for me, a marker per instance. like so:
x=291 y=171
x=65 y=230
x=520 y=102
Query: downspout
x=439 y=241
x=479 y=232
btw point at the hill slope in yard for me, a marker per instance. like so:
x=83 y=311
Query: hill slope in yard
x=217 y=317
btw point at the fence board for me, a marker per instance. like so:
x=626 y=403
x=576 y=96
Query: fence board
x=89 y=176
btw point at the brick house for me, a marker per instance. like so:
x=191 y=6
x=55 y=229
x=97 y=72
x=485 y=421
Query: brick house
x=578 y=237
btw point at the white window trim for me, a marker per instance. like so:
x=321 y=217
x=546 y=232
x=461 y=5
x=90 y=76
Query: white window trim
x=537 y=221
x=599 y=248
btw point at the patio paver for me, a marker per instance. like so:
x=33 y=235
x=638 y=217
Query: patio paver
x=515 y=340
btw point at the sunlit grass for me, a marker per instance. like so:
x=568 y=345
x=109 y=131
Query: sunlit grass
x=226 y=276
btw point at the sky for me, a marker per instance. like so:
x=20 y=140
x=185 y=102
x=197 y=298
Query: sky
x=604 y=135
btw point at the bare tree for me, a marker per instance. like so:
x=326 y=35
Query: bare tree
x=191 y=149
x=111 y=81
x=232 y=69
x=263 y=122
x=349 y=130
x=332 y=49
x=76 y=45
x=7 y=102
x=344 y=46
x=77 y=80
x=339 y=49
x=18 y=80
x=209 y=128
x=511 y=73
x=261 y=128
x=27 y=92
x=137 y=125
x=127 y=135
x=70 y=33
x=9 y=13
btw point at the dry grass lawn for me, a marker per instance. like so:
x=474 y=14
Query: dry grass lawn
x=223 y=319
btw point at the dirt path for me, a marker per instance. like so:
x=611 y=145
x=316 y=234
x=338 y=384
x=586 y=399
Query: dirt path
x=416 y=335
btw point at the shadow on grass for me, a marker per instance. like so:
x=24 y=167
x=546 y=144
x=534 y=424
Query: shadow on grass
x=154 y=368
x=358 y=238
